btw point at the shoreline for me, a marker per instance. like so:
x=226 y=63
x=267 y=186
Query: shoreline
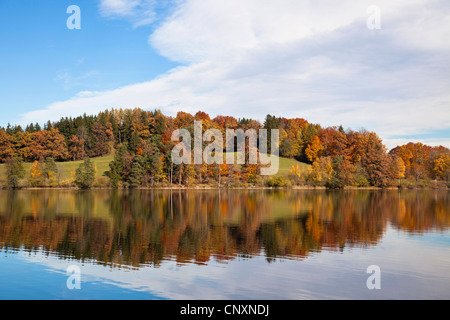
x=348 y=188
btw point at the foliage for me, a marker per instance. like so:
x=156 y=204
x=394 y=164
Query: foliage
x=276 y=181
x=15 y=172
x=85 y=174
x=338 y=157
x=36 y=176
x=295 y=174
x=314 y=149
x=50 y=172
x=137 y=172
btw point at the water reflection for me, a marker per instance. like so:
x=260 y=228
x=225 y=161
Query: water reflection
x=146 y=227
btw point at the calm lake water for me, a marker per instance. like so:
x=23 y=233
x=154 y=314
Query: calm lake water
x=229 y=244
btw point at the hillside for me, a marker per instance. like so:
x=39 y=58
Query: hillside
x=65 y=169
x=143 y=141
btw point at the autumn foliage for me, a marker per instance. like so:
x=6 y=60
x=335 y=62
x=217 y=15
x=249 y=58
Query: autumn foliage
x=141 y=142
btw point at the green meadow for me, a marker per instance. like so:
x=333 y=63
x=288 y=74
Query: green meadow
x=66 y=169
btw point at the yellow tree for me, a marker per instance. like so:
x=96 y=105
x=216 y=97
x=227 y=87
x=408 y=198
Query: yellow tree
x=295 y=174
x=161 y=174
x=36 y=174
x=314 y=149
x=398 y=168
x=442 y=166
x=313 y=173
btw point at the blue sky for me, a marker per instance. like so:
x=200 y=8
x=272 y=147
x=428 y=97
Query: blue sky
x=292 y=58
x=42 y=61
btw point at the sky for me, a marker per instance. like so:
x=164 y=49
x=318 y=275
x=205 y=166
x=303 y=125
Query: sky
x=380 y=65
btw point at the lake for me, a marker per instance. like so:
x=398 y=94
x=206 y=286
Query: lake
x=227 y=244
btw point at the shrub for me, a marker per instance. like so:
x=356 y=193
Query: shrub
x=276 y=181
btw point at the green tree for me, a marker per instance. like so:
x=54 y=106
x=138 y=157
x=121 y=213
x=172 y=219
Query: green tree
x=137 y=172
x=361 y=176
x=85 y=174
x=116 y=167
x=270 y=123
x=156 y=166
x=15 y=172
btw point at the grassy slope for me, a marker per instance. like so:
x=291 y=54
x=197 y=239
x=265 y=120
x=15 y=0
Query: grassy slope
x=287 y=163
x=65 y=168
x=102 y=164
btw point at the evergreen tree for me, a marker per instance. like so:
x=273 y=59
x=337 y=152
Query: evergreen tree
x=137 y=172
x=115 y=173
x=270 y=123
x=85 y=174
x=15 y=172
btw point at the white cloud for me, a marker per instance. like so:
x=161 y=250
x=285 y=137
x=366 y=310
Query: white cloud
x=293 y=58
x=70 y=80
x=138 y=12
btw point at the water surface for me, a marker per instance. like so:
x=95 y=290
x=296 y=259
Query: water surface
x=229 y=244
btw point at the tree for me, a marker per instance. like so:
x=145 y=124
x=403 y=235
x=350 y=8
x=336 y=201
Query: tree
x=76 y=148
x=100 y=138
x=83 y=135
x=313 y=174
x=314 y=149
x=376 y=161
x=361 y=176
x=397 y=168
x=50 y=172
x=271 y=123
x=354 y=146
x=295 y=174
x=309 y=132
x=116 y=167
x=415 y=157
x=137 y=172
x=6 y=146
x=15 y=172
x=156 y=167
x=22 y=142
x=441 y=166
x=339 y=143
x=285 y=148
x=36 y=177
x=56 y=145
x=342 y=173
x=183 y=120
x=320 y=172
x=85 y=174
x=48 y=143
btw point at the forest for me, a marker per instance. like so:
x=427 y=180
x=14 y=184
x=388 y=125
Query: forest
x=138 y=144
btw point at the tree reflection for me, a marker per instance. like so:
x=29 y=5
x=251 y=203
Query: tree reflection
x=146 y=227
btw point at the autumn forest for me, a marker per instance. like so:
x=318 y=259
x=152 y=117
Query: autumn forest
x=138 y=146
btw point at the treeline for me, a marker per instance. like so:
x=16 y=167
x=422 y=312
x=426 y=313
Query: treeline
x=358 y=158
x=141 y=143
